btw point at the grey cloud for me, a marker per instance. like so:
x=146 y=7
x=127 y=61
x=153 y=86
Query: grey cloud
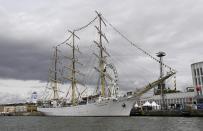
x=21 y=61
x=29 y=30
x=7 y=98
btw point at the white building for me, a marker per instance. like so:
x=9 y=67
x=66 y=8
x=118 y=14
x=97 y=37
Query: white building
x=33 y=98
x=171 y=99
x=197 y=76
x=21 y=108
x=193 y=96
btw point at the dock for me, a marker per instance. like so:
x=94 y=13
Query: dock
x=178 y=113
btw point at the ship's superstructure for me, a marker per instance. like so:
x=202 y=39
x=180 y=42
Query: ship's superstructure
x=106 y=101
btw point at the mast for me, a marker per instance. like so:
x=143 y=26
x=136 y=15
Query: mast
x=54 y=75
x=72 y=68
x=73 y=83
x=101 y=65
x=101 y=56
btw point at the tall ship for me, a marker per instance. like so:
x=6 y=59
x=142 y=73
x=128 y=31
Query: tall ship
x=106 y=100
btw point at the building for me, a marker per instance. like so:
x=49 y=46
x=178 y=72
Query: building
x=18 y=108
x=9 y=109
x=172 y=100
x=21 y=108
x=1 y=108
x=193 y=95
x=197 y=77
x=32 y=98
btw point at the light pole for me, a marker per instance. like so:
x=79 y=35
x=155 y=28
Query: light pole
x=162 y=85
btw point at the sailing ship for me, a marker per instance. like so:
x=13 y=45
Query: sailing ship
x=106 y=102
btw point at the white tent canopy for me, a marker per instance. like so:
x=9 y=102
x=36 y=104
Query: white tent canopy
x=147 y=104
x=155 y=105
x=136 y=105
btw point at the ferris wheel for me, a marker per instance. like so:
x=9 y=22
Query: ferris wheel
x=111 y=83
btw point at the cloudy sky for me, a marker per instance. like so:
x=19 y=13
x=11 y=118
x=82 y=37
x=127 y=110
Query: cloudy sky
x=30 y=28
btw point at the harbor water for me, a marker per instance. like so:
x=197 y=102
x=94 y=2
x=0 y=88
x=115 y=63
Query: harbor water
x=42 y=123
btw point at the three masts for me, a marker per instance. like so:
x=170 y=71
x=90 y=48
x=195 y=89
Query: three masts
x=102 y=90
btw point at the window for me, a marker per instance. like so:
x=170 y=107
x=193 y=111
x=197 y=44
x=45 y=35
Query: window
x=187 y=100
x=195 y=81
x=181 y=100
x=201 y=71
x=199 y=100
x=199 y=81
x=177 y=100
x=168 y=100
x=202 y=79
x=198 y=72
x=194 y=72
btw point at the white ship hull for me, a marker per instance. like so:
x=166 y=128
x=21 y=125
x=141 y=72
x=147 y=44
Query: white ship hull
x=121 y=107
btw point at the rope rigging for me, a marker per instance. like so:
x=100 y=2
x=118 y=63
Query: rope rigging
x=74 y=48
x=85 y=26
x=133 y=44
x=142 y=50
